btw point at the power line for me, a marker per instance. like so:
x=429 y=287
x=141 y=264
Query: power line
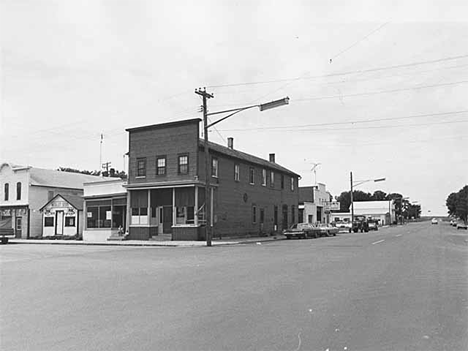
x=381 y=91
x=357 y=42
x=450 y=58
x=350 y=122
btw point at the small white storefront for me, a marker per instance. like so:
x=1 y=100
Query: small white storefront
x=105 y=209
x=62 y=216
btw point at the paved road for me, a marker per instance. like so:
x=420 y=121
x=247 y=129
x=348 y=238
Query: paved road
x=402 y=288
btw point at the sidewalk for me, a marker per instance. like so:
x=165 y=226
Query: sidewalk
x=167 y=243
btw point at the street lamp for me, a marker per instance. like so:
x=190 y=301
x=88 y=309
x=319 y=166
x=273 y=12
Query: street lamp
x=355 y=184
x=232 y=112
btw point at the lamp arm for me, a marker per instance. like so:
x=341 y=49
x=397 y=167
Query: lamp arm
x=230 y=115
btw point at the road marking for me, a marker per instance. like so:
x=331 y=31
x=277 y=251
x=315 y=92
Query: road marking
x=398 y=235
x=378 y=242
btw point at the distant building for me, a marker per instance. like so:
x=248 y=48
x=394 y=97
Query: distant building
x=314 y=204
x=166 y=186
x=383 y=211
x=25 y=190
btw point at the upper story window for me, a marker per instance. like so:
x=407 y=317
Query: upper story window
x=214 y=167
x=236 y=172
x=7 y=192
x=264 y=177
x=18 y=191
x=161 y=165
x=272 y=179
x=141 y=167
x=282 y=181
x=292 y=183
x=183 y=164
x=251 y=175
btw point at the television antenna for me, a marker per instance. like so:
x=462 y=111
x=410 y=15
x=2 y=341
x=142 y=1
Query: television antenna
x=314 y=169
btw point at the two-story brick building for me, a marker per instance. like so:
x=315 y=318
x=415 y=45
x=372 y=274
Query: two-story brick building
x=25 y=190
x=166 y=186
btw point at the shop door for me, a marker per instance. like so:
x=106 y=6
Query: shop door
x=19 y=227
x=167 y=219
x=59 y=223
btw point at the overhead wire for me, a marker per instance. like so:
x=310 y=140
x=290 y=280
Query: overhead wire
x=412 y=64
x=351 y=122
x=360 y=40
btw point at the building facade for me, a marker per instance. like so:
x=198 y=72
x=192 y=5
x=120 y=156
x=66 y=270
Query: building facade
x=25 y=190
x=382 y=211
x=166 y=186
x=63 y=216
x=314 y=204
x=105 y=208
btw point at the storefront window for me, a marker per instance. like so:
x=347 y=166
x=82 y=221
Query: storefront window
x=48 y=221
x=69 y=221
x=140 y=215
x=105 y=217
x=92 y=217
x=185 y=215
x=98 y=214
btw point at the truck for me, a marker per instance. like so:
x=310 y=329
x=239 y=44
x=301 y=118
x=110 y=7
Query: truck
x=360 y=224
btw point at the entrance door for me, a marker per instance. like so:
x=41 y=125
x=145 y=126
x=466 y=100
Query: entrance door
x=285 y=216
x=59 y=223
x=160 y=220
x=167 y=219
x=19 y=227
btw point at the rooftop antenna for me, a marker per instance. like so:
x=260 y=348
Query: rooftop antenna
x=314 y=169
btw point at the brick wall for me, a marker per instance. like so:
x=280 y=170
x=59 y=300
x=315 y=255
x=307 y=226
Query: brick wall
x=234 y=200
x=170 y=140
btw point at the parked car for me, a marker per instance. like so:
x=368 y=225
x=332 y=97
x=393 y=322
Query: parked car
x=343 y=226
x=434 y=221
x=300 y=231
x=453 y=223
x=323 y=229
x=373 y=225
x=462 y=225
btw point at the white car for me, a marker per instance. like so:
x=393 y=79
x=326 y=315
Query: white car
x=434 y=221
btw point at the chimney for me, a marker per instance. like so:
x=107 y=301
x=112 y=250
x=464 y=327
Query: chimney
x=231 y=143
x=272 y=158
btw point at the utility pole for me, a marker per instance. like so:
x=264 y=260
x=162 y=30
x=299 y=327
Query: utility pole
x=106 y=166
x=100 y=152
x=352 y=202
x=205 y=97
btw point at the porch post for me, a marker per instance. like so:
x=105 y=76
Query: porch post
x=148 y=212
x=195 y=212
x=174 y=214
x=129 y=213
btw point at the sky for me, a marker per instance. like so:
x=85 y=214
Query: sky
x=378 y=89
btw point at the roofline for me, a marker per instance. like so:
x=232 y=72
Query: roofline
x=273 y=164
x=106 y=180
x=55 y=186
x=164 y=125
x=48 y=202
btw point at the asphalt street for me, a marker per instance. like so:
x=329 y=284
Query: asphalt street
x=401 y=288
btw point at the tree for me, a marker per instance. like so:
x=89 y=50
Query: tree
x=112 y=173
x=451 y=204
x=379 y=195
x=345 y=199
x=457 y=203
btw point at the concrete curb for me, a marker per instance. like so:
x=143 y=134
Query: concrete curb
x=136 y=243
